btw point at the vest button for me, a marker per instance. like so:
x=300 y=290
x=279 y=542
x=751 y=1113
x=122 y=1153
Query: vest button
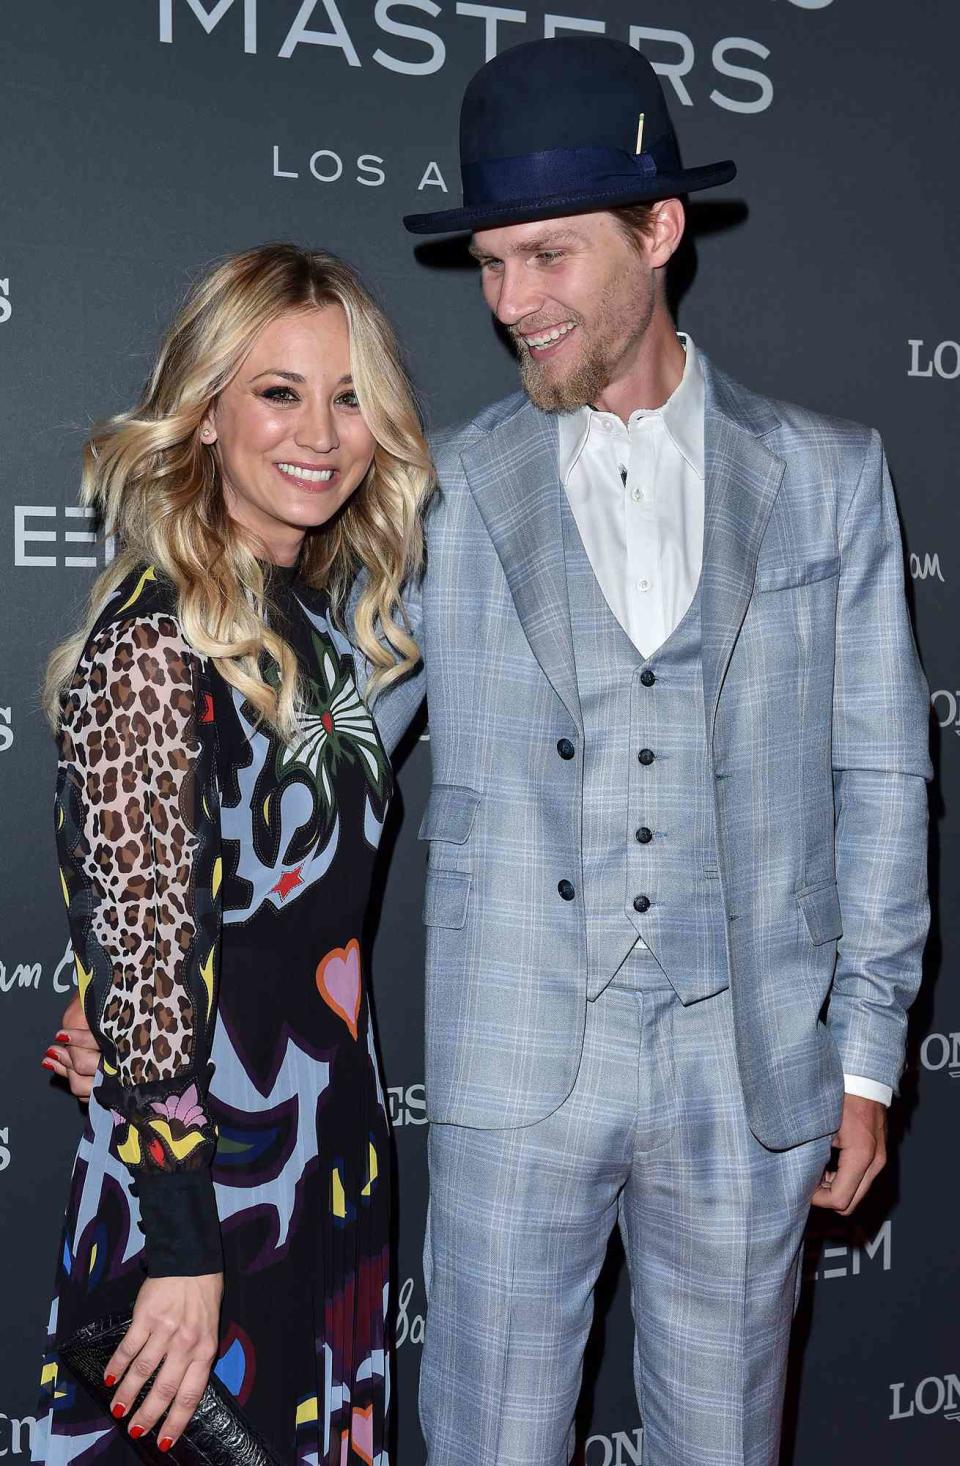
x=565 y=748
x=644 y=836
x=566 y=890
x=647 y=677
x=641 y=903
x=646 y=755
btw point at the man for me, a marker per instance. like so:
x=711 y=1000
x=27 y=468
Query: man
x=678 y=729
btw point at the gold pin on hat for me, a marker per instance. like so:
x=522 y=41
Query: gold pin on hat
x=640 y=133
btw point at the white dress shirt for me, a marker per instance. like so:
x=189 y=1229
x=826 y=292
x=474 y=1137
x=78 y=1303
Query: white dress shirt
x=637 y=494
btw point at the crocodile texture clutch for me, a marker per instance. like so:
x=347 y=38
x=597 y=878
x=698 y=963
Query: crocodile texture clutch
x=217 y=1435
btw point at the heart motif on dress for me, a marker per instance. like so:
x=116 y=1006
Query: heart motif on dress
x=338 y=982
x=361 y=1433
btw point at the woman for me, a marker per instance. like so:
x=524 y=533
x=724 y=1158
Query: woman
x=221 y=792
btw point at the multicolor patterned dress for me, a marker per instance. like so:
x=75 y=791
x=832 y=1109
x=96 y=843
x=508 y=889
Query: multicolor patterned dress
x=216 y=881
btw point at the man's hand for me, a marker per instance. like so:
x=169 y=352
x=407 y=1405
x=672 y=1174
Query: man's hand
x=74 y=1054
x=862 y=1145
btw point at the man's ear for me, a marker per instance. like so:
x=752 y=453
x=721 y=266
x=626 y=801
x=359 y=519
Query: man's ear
x=667 y=226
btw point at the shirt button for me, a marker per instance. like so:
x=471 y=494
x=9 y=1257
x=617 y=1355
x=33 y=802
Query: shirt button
x=644 y=836
x=641 y=903
x=643 y=585
x=565 y=748
x=636 y=495
x=647 y=677
x=566 y=890
x=646 y=756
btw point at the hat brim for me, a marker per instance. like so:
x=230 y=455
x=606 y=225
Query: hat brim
x=525 y=211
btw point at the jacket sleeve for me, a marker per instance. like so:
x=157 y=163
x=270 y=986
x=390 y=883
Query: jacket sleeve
x=880 y=767
x=395 y=708
x=138 y=842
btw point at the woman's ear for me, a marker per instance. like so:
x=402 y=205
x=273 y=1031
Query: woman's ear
x=208 y=431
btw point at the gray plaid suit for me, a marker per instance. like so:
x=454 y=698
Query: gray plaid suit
x=541 y=1137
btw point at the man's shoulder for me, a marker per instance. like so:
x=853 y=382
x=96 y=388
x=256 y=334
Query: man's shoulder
x=787 y=427
x=459 y=435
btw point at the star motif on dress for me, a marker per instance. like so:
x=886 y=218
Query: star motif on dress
x=288 y=882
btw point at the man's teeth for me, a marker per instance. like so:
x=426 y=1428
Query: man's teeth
x=546 y=337
x=311 y=475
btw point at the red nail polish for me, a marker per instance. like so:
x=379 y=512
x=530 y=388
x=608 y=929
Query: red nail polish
x=110 y=1380
x=166 y=1443
x=52 y=1054
x=118 y=1411
x=61 y=1037
x=136 y=1431
x=46 y=1064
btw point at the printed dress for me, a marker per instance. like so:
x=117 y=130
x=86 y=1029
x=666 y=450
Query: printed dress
x=216 y=881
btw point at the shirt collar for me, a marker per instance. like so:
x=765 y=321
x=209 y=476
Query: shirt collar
x=682 y=416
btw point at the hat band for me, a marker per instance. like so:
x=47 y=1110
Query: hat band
x=559 y=171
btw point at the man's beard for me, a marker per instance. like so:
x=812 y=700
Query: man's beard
x=581 y=386
x=623 y=304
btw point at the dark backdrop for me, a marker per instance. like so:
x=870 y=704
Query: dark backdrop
x=140 y=139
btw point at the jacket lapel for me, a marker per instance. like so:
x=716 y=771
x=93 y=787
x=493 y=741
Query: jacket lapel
x=513 y=475
x=742 y=480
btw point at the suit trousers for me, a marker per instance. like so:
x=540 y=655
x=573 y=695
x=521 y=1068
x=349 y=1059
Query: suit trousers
x=653 y=1138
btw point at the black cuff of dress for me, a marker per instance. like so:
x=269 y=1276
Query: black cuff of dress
x=181 y=1228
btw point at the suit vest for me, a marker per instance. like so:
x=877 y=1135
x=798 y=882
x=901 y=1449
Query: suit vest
x=649 y=832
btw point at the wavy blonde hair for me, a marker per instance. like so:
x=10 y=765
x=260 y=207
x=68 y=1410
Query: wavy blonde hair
x=157 y=487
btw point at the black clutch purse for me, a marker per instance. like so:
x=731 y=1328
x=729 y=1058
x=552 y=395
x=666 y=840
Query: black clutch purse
x=217 y=1435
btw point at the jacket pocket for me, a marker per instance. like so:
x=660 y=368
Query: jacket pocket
x=783 y=577
x=450 y=813
x=445 y=902
x=820 y=906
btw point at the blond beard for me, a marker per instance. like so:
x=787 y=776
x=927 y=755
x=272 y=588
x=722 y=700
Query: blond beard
x=579 y=388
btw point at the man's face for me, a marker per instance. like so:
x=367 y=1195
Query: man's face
x=577 y=298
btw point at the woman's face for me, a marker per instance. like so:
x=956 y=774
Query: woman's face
x=291 y=441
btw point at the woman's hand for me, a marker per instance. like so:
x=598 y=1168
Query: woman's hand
x=74 y=1054
x=175 y=1331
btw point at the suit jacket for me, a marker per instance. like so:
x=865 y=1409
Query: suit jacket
x=816 y=718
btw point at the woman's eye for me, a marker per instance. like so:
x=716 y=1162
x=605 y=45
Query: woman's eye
x=280 y=394
x=348 y=399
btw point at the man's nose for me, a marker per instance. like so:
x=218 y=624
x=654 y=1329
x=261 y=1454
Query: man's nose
x=516 y=295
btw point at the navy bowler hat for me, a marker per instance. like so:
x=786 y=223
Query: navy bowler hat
x=564 y=126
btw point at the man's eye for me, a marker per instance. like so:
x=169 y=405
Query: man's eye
x=548 y=256
x=491 y=265
x=280 y=394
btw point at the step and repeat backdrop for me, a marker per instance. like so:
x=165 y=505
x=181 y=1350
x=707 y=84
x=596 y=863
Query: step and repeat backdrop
x=140 y=140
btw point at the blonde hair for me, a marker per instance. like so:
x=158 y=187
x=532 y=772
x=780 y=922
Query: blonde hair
x=157 y=487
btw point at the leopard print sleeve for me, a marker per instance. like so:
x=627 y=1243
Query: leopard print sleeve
x=138 y=839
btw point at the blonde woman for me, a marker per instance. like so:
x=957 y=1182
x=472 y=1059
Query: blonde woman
x=221 y=791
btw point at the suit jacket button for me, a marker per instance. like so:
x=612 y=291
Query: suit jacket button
x=644 y=836
x=646 y=755
x=566 y=890
x=565 y=748
x=641 y=903
x=647 y=677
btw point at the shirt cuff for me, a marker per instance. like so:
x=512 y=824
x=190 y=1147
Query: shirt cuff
x=868 y=1088
x=180 y=1225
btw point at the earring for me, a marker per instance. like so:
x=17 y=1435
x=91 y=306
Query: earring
x=205 y=434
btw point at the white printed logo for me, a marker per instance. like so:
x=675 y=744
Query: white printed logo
x=926 y=569
x=16 y=1436
x=932 y=1396
x=943 y=361
x=623 y=1448
x=941 y=1051
x=407 y=1106
x=6 y=309
x=946 y=708
x=4 y=1148
x=847 y=1260
x=28 y=533
x=410 y=1327
x=6 y=729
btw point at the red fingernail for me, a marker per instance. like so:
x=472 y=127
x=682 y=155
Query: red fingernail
x=118 y=1411
x=62 y=1037
x=110 y=1380
x=46 y=1064
x=166 y=1443
x=136 y=1431
x=52 y=1054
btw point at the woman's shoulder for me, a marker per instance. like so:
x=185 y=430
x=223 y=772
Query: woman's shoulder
x=137 y=655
